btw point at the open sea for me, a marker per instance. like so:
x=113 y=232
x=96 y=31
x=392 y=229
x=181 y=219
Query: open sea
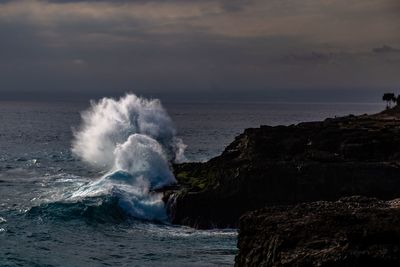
x=54 y=210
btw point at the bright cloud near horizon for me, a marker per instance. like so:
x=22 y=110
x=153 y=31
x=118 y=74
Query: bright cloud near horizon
x=198 y=45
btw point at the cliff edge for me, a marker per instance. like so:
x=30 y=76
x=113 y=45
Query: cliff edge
x=265 y=166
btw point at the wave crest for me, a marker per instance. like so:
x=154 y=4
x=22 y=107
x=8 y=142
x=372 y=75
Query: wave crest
x=134 y=140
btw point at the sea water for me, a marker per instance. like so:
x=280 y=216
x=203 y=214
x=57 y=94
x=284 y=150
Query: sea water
x=76 y=179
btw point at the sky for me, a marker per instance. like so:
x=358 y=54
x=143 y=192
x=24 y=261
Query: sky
x=200 y=49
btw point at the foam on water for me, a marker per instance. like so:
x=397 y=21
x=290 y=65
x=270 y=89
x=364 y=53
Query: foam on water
x=134 y=141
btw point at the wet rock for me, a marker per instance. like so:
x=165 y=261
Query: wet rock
x=325 y=160
x=354 y=231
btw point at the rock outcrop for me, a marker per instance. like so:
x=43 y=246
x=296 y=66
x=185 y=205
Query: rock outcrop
x=353 y=231
x=326 y=160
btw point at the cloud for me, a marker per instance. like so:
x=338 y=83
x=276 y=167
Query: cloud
x=329 y=56
x=193 y=45
x=385 y=49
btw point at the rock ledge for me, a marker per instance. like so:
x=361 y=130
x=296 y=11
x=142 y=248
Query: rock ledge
x=354 y=231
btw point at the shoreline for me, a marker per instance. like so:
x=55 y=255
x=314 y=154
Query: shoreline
x=276 y=166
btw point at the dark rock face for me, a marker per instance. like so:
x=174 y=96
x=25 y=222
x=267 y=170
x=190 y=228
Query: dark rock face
x=290 y=164
x=353 y=231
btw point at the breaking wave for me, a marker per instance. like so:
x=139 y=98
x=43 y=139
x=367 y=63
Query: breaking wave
x=134 y=142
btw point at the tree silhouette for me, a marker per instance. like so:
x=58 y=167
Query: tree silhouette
x=389 y=98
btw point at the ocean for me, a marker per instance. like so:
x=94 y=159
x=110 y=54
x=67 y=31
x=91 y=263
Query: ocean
x=77 y=191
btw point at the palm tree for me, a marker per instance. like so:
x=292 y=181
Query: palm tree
x=389 y=98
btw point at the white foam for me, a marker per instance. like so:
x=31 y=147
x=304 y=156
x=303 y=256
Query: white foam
x=135 y=140
x=110 y=122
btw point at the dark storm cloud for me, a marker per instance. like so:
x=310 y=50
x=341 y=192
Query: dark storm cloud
x=386 y=49
x=227 y=5
x=320 y=57
x=311 y=58
x=193 y=45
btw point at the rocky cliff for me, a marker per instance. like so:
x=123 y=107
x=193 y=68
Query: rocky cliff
x=326 y=160
x=353 y=231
